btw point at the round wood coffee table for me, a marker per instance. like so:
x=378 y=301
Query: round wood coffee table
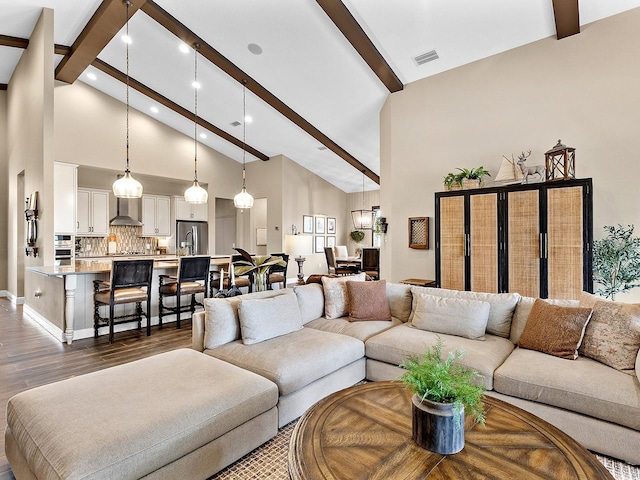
x=365 y=432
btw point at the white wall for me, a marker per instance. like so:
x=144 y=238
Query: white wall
x=582 y=89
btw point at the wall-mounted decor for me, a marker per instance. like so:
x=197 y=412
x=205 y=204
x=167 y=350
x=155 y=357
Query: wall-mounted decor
x=331 y=241
x=419 y=232
x=320 y=225
x=261 y=236
x=307 y=224
x=331 y=226
x=319 y=242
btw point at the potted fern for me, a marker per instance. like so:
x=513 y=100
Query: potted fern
x=443 y=391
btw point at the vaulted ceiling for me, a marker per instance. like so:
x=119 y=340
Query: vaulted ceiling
x=317 y=72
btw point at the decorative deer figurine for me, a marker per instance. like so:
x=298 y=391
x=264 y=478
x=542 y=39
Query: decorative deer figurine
x=527 y=171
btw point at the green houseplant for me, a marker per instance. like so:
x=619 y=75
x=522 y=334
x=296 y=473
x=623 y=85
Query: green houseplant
x=466 y=178
x=357 y=235
x=616 y=261
x=443 y=391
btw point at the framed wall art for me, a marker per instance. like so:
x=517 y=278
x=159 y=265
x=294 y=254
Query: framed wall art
x=331 y=241
x=419 y=232
x=320 y=225
x=319 y=243
x=331 y=226
x=307 y=224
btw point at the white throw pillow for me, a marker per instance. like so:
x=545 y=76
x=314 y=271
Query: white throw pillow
x=336 y=300
x=267 y=318
x=452 y=316
x=310 y=301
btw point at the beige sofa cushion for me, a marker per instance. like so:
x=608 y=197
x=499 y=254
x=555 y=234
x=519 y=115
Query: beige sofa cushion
x=502 y=306
x=265 y=318
x=555 y=330
x=222 y=324
x=582 y=385
x=394 y=345
x=360 y=330
x=521 y=314
x=294 y=360
x=454 y=316
x=310 y=301
x=336 y=302
x=127 y=421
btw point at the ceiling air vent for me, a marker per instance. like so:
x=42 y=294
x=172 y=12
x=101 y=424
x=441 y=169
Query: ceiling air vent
x=322 y=148
x=235 y=124
x=425 y=57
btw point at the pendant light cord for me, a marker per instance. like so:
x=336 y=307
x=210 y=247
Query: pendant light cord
x=195 y=113
x=244 y=129
x=127 y=3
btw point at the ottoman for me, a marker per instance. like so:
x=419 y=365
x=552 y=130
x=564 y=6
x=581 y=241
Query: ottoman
x=180 y=414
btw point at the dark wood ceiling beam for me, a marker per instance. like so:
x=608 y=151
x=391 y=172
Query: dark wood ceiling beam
x=351 y=29
x=3 y=86
x=161 y=99
x=105 y=23
x=567 y=16
x=190 y=38
x=8 y=41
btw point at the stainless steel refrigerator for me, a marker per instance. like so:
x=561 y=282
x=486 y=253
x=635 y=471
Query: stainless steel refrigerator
x=193 y=236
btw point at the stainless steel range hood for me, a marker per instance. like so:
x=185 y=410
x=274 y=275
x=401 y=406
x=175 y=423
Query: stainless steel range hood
x=122 y=217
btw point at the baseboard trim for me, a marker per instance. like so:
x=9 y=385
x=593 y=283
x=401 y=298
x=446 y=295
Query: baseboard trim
x=3 y=293
x=14 y=300
x=54 y=330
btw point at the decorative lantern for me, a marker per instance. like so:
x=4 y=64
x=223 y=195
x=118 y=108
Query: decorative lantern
x=560 y=162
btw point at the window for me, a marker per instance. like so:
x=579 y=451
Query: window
x=376 y=238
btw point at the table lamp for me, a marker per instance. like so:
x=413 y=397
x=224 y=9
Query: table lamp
x=297 y=246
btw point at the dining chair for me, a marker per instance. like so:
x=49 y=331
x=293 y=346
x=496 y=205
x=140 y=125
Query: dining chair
x=341 y=251
x=191 y=279
x=130 y=282
x=333 y=267
x=371 y=262
x=277 y=273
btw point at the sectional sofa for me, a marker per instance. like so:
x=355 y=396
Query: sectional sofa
x=318 y=338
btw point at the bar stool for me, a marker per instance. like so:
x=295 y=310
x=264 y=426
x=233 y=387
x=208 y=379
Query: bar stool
x=192 y=278
x=130 y=283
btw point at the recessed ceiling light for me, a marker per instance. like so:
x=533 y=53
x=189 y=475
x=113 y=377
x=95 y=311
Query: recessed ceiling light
x=248 y=119
x=255 y=48
x=154 y=109
x=203 y=135
x=126 y=39
x=195 y=84
x=92 y=76
x=184 y=48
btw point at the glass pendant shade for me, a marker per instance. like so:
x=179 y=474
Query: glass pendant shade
x=362 y=219
x=243 y=199
x=196 y=194
x=127 y=187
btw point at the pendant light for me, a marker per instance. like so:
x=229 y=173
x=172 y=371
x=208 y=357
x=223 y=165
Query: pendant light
x=243 y=199
x=195 y=193
x=362 y=219
x=127 y=186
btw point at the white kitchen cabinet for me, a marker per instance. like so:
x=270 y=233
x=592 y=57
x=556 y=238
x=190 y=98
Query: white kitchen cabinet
x=64 y=198
x=190 y=211
x=156 y=216
x=92 y=213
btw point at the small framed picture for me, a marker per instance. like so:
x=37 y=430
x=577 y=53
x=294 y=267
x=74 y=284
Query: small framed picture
x=261 y=236
x=331 y=241
x=331 y=225
x=319 y=243
x=307 y=224
x=320 y=225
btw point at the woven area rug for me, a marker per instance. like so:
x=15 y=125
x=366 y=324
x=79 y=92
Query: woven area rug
x=270 y=462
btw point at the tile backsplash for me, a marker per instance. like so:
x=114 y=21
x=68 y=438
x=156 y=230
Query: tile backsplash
x=127 y=240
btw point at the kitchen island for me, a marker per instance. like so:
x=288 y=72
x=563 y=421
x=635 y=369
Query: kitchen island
x=78 y=280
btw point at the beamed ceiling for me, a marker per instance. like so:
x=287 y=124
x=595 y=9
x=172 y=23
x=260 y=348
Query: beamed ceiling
x=317 y=72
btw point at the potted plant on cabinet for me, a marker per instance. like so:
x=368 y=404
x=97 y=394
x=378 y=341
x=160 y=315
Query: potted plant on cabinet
x=466 y=179
x=443 y=391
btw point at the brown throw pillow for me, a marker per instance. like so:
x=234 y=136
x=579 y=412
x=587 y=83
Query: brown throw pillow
x=555 y=330
x=613 y=335
x=368 y=301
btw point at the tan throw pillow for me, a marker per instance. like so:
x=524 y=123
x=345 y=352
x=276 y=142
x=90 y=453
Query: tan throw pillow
x=336 y=302
x=266 y=318
x=613 y=335
x=454 y=316
x=368 y=301
x=555 y=330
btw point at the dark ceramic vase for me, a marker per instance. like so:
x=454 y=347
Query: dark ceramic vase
x=437 y=427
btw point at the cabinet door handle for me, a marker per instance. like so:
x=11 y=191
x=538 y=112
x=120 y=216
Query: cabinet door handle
x=540 y=246
x=546 y=245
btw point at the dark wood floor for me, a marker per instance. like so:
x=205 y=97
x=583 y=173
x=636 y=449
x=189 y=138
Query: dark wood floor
x=30 y=356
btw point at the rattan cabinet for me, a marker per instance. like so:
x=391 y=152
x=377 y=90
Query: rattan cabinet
x=532 y=239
